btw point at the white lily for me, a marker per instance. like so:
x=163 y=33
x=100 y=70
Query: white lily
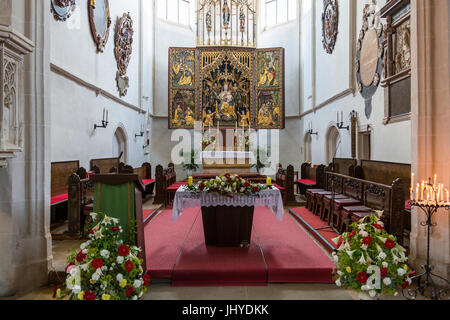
x=350 y=253
x=362 y=260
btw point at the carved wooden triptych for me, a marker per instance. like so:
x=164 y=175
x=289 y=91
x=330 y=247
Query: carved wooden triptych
x=226 y=87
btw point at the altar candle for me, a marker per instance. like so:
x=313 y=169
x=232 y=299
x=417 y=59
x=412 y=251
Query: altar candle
x=190 y=181
x=417 y=192
x=411 y=194
x=412 y=180
x=422 y=191
x=269 y=181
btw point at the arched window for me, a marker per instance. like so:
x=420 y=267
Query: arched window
x=177 y=11
x=308 y=153
x=274 y=12
x=333 y=143
x=120 y=144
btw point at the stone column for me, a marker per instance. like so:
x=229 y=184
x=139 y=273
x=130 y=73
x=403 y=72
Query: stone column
x=25 y=242
x=430 y=122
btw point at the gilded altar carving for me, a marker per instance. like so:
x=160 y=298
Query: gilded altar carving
x=226 y=87
x=226 y=80
x=330 y=25
x=123 y=50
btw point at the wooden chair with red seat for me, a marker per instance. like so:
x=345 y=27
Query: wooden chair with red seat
x=310 y=198
x=347 y=216
x=311 y=178
x=334 y=218
x=328 y=199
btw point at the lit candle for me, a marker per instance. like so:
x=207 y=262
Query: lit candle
x=417 y=192
x=411 y=194
x=412 y=180
x=269 y=181
x=422 y=191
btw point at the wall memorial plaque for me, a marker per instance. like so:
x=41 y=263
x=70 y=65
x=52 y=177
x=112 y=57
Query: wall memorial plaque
x=62 y=9
x=369 y=56
x=123 y=50
x=100 y=22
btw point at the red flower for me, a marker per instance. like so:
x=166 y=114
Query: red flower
x=124 y=250
x=384 y=272
x=229 y=180
x=88 y=295
x=412 y=273
x=80 y=256
x=255 y=189
x=352 y=234
x=390 y=244
x=114 y=229
x=367 y=240
x=227 y=175
x=377 y=226
x=201 y=186
x=362 y=277
x=97 y=263
x=405 y=285
x=129 y=266
x=229 y=196
x=146 y=279
x=129 y=291
x=247 y=185
x=91 y=231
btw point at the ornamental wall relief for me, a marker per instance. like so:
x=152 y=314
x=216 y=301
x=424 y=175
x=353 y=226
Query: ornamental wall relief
x=330 y=24
x=62 y=9
x=123 y=50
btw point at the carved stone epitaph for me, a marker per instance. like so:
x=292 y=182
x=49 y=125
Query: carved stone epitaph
x=369 y=56
x=63 y=9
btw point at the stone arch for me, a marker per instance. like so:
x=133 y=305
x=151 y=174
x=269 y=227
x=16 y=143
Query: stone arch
x=120 y=143
x=333 y=142
x=307 y=141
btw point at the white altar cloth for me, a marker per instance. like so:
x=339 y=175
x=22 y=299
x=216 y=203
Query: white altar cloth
x=227 y=155
x=270 y=198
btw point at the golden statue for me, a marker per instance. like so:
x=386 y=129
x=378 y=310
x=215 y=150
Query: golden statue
x=190 y=120
x=176 y=120
x=208 y=119
x=264 y=116
x=245 y=120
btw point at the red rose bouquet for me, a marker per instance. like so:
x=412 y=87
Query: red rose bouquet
x=104 y=268
x=369 y=260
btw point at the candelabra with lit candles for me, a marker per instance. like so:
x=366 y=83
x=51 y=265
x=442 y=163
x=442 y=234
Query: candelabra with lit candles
x=430 y=197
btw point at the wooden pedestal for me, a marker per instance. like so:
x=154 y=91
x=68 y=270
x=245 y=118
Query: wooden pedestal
x=227 y=226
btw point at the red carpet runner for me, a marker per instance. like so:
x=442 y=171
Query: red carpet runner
x=281 y=252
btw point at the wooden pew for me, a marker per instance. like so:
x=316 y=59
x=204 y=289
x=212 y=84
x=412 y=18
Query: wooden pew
x=165 y=178
x=145 y=175
x=60 y=173
x=387 y=198
x=344 y=166
x=102 y=166
x=285 y=183
x=311 y=178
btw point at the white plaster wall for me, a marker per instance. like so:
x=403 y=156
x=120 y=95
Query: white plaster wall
x=75 y=109
x=390 y=142
x=166 y=35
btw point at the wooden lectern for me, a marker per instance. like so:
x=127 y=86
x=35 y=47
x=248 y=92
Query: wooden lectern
x=120 y=196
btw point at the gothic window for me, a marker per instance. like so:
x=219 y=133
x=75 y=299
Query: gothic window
x=177 y=11
x=275 y=12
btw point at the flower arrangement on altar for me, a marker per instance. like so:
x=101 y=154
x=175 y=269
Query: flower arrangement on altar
x=104 y=268
x=228 y=185
x=370 y=261
x=207 y=142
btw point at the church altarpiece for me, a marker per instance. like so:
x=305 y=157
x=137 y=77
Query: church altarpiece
x=226 y=87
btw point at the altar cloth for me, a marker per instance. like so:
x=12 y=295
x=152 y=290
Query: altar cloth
x=228 y=155
x=270 y=198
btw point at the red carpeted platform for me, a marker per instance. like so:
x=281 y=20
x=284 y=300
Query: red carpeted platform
x=312 y=222
x=291 y=255
x=200 y=265
x=164 y=240
x=281 y=252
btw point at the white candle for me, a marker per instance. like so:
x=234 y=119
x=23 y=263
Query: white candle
x=435 y=180
x=107 y=115
x=103 y=114
x=417 y=192
x=412 y=180
x=411 y=194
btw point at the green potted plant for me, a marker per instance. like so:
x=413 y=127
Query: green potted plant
x=370 y=261
x=261 y=161
x=190 y=166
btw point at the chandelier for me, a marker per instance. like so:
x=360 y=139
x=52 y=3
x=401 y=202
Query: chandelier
x=226 y=23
